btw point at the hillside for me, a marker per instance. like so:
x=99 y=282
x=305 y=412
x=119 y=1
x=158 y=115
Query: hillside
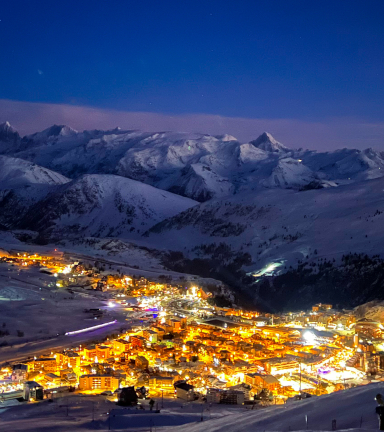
x=102 y=206
x=23 y=184
x=16 y=172
x=284 y=226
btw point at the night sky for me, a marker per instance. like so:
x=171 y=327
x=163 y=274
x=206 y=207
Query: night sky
x=285 y=65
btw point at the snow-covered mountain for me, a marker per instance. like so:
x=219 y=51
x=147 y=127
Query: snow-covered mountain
x=346 y=165
x=22 y=184
x=198 y=166
x=16 y=172
x=267 y=143
x=282 y=226
x=275 y=203
x=102 y=206
x=9 y=138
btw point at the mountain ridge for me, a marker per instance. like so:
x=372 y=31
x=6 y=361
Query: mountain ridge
x=199 y=166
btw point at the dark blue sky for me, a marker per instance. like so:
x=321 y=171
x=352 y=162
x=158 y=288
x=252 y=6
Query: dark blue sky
x=256 y=59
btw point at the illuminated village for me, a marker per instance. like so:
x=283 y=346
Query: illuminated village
x=178 y=344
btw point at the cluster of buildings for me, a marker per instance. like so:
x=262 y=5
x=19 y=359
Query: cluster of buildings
x=229 y=357
x=187 y=347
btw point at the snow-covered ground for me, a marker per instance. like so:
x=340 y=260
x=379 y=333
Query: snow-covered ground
x=43 y=313
x=128 y=257
x=351 y=410
x=90 y=413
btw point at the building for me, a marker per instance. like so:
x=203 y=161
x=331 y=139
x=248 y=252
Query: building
x=321 y=307
x=161 y=382
x=175 y=324
x=19 y=372
x=243 y=387
x=263 y=381
x=90 y=352
x=102 y=352
x=160 y=332
x=53 y=378
x=45 y=364
x=229 y=397
x=280 y=334
x=73 y=359
x=137 y=341
x=120 y=346
x=185 y=391
x=280 y=365
x=150 y=336
x=213 y=395
x=141 y=362
x=98 y=382
x=32 y=390
x=68 y=375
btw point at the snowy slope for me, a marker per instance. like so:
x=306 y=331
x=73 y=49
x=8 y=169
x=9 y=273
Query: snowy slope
x=23 y=184
x=103 y=206
x=347 y=164
x=352 y=409
x=201 y=183
x=284 y=225
x=18 y=172
x=290 y=172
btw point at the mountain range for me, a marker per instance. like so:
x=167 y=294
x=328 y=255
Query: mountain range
x=193 y=192
x=198 y=166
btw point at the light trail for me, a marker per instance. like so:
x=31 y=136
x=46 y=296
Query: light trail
x=90 y=328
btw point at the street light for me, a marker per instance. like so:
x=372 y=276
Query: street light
x=300 y=377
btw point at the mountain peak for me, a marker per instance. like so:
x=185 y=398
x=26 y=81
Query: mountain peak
x=57 y=130
x=52 y=132
x=7 y=127
x=266 y=142
x=9 y=134
x=226 y=137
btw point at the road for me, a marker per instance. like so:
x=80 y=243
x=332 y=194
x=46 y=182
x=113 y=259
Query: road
x=35 y=348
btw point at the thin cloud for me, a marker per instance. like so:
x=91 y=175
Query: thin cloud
x=29 y=117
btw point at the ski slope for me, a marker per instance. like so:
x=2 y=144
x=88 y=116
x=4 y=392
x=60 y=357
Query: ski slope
x=352 y=409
